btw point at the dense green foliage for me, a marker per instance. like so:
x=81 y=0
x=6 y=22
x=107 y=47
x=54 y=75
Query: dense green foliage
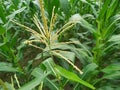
x=59 y=44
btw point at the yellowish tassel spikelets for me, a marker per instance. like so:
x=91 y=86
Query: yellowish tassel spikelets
x=53 y=19
x=66 y=26
x=38 y=36
x=44 y=19
x=67 y=60
x=35 y=20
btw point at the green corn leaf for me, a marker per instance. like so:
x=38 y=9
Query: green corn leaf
x=40 y=76
x=112 y=8
x=111 y=68
x=88 y=69
x=16 y=3
x=60 y=46
x=64 y=4
x=6 y=50
x=51 y=84
x=49 y=4
x=110 y=72
x=32 y=84
x=42 y=55
x=79 y=19
x=7 y=67
x=3 y=85
x=107 y=88
x=37 y=72
x=2 y=30
x=82 y=55
x=71 y=76
x=11 y=16
x=111 y=26
x=68 y=54
x=49 y=63
x=48 y=66
x=114 y=38
x=115 y=75
x=102 y=12
x=2 y=13
x=9 y=86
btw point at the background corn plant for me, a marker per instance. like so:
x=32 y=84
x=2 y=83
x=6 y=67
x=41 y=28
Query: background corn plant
x=88 y=42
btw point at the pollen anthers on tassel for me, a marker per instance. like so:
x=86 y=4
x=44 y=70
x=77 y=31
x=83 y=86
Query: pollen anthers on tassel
x=27 y=42
x=44 y=19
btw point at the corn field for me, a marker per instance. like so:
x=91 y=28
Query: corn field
x=59 y=44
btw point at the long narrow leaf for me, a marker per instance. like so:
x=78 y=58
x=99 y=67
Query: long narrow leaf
x=72 y=76
x=7 y=67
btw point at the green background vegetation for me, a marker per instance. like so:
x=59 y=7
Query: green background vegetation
x=60 y=45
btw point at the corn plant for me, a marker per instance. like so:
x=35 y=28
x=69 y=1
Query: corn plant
x=10 y=48
x=48 y=37
x=103 y=46
x=10 y=55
